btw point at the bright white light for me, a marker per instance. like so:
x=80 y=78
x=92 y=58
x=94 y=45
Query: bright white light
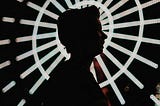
x=49 y=70
x=8 y=86
x=46 y=12
x=38 y=49
x=5 y=42
x=112 y=83
x=22 y=102
x=41 y=24
x=20 y=0
x=69 y=3
x=58 y=6
x=42 y=60
x=8 y=19
x=5 y=64
x=39 y=36
x=155 y=99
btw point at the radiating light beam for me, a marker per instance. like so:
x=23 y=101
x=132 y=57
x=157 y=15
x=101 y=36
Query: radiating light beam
x=8 y=86
x=69 y=3
x=5 y=64
x=155 y=99
x=58 y=5
x=8 y=19
x=42 y=60
x=46 y=12
x=39 y=36
x=38 y=49
x=41 y=24
x=5 y=42
x=22 y=102
x=122 y=70
x=112 y=83
x=49 y=70
x=134 y=9
x=135 y=38
x=133 y=23
x=138 y=57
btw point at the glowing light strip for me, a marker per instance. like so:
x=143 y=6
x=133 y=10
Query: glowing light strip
x=69 y=3
x=38 y=49
x=22 y=102
x=107 y=74
x=4 y=42
x=8 y=86
x=20 y=0
x=46 y=12
x=135 y=38
x=112 y=9
x=34 y=40
x=58 y=6
x=93 y=71
x=149 y=40
x=42 y=24
x=134 y=9
x=133 y=23
x=8 y=19
x=155 y=99
x=117 y=5
x=39 y=36
x=122 y=70
x=42 y=60
x=76 y=1
x=138 y=57
x=5 y=64
x=107 y=3
x=49 y=70
x=100 y=1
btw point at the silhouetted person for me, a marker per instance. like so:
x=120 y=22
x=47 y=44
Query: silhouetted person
x=72 y=83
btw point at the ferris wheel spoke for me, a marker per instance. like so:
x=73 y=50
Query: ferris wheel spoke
x=46 y=12
x=138 y=57
x=38 y=49
x=42 y=60
x=5 y=64
x=40 y=24
x=112 y=83
x=49 y=70
x=39 y=36
x=58 y=5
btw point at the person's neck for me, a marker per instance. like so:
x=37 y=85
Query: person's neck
x=81 y=60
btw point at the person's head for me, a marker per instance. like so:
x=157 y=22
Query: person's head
x=80 y=31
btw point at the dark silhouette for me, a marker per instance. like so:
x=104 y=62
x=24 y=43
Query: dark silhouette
x=72 y=83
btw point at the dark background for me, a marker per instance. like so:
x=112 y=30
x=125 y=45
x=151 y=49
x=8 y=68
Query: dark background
x=133 y=95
